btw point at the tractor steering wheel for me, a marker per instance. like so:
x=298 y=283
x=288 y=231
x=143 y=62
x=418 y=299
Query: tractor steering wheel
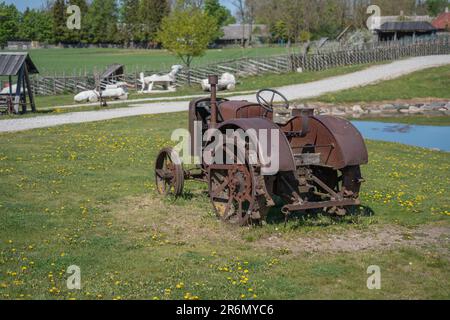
x=267 y=97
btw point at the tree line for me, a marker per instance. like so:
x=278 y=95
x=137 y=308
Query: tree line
x=127 y=22
x=136 y=22
x=301 y=20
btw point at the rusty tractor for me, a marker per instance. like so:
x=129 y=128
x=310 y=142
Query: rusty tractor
x=319 y=159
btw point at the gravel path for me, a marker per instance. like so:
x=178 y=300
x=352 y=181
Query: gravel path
x=300 y=91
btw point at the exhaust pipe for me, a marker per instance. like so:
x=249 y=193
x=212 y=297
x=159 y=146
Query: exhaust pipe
x=213 y=81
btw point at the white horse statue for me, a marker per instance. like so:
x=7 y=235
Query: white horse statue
x=165 y=81
x=226 y=82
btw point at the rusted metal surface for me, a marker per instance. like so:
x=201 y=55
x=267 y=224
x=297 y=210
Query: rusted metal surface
x=285 y=157
x=319 y=161
x=169 y=173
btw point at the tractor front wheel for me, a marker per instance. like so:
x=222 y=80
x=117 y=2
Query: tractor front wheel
x=169 y=173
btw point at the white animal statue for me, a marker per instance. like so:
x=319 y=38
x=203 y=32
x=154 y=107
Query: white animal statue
x=113 y=91
x=165 y=81
x=226 y=82
x=6 y=90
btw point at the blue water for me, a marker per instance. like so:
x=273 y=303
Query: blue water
x=431 y=137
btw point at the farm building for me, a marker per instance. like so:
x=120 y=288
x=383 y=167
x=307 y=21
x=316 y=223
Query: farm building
x=234 y=33
x=442 y=22
x=404 y=29
x=19 y=95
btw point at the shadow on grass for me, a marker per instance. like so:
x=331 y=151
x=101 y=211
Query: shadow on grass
x=320 y=218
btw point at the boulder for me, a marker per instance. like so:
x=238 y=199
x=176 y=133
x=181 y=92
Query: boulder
x=358 y=109
x=414 y=110
x=325 y=111
x=427 y=108
x=388 y=107
x=337 y=112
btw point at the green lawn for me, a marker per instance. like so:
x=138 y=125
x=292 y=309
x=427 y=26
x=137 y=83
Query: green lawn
x=84 y=195
x=245 y=84
x=430 y=83
x=49 y=61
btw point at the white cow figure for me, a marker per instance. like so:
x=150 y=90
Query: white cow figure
x=166 y=80
x=226 y=82
x=7 y=91
x=112 y=91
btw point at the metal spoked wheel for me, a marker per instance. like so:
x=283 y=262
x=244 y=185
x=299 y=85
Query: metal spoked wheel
x=169 y=173
x=232 y=192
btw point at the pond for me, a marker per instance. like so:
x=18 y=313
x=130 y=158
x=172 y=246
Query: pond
x=431 y=137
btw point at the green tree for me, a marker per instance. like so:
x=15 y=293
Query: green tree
x=9 y=23
x=102 y=19
x=435 y=7
x=151 y=14
x=36 y=25
x=222 y=15
x=59 y=17
x=187 y=34
x=129 y=21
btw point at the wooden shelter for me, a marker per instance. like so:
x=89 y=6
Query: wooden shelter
x=114 y=73
x=20 y=65
x=392 y=31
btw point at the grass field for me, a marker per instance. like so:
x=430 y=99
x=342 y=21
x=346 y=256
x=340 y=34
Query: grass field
x=430 y=83
x=49 y=61
x=84 y=195
x=245 y=84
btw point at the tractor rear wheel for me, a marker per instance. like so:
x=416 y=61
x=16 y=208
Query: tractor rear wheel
x=232 y=191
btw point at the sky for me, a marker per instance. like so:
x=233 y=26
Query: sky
x=22 y=4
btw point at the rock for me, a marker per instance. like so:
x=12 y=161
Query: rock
x=388 y=107
x=404 y=110
x=358 y=109
x=375 y=111
x=427 y=108
x=337 y=112
x=414 y=109
x=325 y=111
x=438 y=105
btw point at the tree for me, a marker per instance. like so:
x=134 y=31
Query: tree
x=59 y=17
x=129 y=19
x=36 y=25
x=435 y=7
x=9 y=23
x=222 y=14
x=102 y=21
x=187 y=34
x=151 y=13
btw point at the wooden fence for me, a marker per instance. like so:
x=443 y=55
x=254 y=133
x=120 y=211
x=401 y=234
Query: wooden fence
x=57 y=85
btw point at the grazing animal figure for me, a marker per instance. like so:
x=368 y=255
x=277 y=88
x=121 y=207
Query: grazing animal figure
x=116 y=91
x=165 y=81
x=226 y=82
